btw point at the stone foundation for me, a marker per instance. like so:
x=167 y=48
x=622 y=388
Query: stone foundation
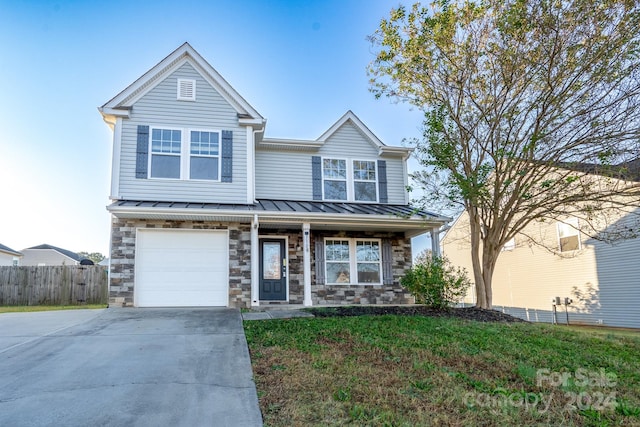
x=123 y=265
x=323 y=294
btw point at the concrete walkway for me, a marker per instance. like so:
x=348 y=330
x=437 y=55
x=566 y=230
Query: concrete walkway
x=126 y=367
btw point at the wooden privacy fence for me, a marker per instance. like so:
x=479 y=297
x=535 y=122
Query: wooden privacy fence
x=53 y=285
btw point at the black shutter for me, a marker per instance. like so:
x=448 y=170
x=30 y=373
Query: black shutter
x=226 y=158
x=387 y=262
x=319 y=256
x=316 y=175
x=382 y=182
x=142 y=152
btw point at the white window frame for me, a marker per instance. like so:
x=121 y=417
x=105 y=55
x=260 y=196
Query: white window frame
x=218 y=156
x=346 y=180
x=571 y=225
x=350 y=180
x=152 y=153
x=180 y=97
x=509 y=245
x=185 y=153
x=353 y=261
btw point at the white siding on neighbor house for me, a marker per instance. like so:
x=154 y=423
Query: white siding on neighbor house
x=160 y=107
x=45 y=257
x=6 y=259
x=602 y=279
x=287 y=174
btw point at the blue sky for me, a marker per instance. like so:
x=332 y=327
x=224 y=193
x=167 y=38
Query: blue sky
x=301 y=64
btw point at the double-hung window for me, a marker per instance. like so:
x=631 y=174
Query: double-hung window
x=166 y=148
x=353 y=261
x=352 y=180
x=185 y=154
x=568 y=235
x=205 y=151
x=364 y=181
x=334 y=173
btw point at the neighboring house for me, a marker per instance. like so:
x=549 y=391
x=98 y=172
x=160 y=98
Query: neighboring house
x=44 y=254
x=208 y=212
x=9 y=256
x=602 y=279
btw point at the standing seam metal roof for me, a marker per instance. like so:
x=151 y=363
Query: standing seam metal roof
x=293 y=206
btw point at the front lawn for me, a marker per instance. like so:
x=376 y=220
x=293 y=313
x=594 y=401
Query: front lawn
x=412 y=370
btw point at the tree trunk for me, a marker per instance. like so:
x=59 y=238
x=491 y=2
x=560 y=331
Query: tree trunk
x=488 y=266
x=478 y=270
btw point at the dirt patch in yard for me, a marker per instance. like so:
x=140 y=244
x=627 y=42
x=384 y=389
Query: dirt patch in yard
x=468 y=313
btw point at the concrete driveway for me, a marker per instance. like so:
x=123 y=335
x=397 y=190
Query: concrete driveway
x=126 y=367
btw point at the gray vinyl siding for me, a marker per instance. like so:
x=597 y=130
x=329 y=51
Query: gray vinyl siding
x=348 y=141
x=618 y=276
x=159 y=107
x=283 y=175
x=287 y=174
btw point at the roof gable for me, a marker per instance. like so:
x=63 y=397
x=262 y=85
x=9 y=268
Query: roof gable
x=74 y=256
x=8 y=250
x=120 y=104
x=350 y=118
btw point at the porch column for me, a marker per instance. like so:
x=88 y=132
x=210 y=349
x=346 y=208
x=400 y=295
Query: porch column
x=255 y=262
x=306 y=257
x=435 y=242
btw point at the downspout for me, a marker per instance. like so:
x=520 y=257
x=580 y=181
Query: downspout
x=251 y=162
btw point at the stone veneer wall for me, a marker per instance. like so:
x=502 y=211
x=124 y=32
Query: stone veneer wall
x=123 y=243
x=322 y=294
x=123 y=265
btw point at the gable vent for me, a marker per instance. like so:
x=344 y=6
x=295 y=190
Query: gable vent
x=186 y=90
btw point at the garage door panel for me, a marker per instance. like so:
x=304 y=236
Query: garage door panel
x=181 y=268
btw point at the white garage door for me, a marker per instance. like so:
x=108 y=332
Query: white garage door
x=181 y=268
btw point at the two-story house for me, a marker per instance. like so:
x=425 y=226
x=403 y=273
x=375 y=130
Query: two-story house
x=207 y=211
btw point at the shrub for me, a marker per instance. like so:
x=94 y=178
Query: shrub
x=437 y=283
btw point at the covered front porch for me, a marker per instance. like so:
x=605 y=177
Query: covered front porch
x=309 y=253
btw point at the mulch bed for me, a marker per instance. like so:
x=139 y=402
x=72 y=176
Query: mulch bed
x=468 y=313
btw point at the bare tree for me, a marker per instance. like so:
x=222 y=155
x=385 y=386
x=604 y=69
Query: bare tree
x=525 y=103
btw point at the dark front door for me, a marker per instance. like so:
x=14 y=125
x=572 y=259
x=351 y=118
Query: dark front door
x=273 y=270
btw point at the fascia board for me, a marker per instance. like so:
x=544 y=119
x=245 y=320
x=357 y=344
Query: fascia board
x=177 y=58
x=349 y=115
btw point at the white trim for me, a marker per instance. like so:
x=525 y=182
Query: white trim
x=185 y=152
x=350 y=180
x=572 y=224
x=168 y=65
x=115 y=159
x=255 y=262
x=306 y=263
x=251 y=155
x=350 y=116
x=353 y=261
x=405 y=177
x=346 y=179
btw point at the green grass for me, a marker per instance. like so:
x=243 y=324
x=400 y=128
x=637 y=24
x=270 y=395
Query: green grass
x=407 y=371
x=30 y=308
